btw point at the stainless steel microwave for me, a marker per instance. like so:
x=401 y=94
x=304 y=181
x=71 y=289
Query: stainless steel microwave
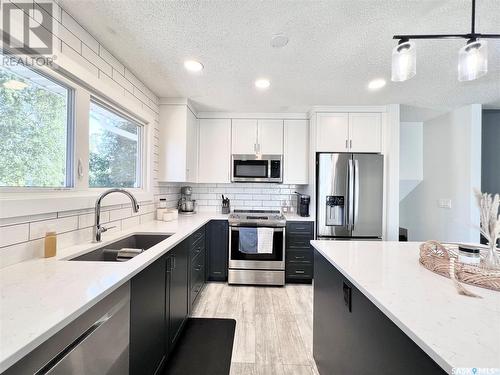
x=257 y=168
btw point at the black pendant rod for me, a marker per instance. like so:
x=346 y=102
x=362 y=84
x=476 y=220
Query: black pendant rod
x=473 y=22
x=472 y=36
x=448 y=36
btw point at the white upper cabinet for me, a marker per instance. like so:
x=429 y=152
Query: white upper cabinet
x=257 y=136
x=270 y=137
x=365 y=132
x=349 y=132
x=178 y=144
x=244 y=136
x=215 y=151
x=296 y=155
x=332 y=132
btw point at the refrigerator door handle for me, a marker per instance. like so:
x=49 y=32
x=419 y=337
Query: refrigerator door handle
x=350 y=197
x=356 y=192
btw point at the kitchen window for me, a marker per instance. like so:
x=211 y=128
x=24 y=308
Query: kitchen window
x=114 y=148
x=36 y=127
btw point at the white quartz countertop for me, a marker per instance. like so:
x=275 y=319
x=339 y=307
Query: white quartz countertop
x=295 y=217
x=454 y=330
x=41 y=296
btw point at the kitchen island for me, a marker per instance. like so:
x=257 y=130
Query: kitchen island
x=377 y=310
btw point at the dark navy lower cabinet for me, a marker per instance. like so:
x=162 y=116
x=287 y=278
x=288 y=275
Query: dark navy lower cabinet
x=147 y=319
x=217 y=250
x=299 y=265
x=178 y=291
x=158 y=310
x=351 y=336
x=197 y=255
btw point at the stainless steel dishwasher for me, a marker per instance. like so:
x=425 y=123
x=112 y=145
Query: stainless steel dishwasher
x=96 y=343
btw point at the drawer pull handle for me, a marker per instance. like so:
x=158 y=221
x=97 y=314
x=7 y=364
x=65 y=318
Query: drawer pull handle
x=300 y=271
x=197 y=268
x=300 y=228
x=217 y=272
x=297 y=257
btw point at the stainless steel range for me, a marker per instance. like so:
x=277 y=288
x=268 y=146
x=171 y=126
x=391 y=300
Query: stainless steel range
x=256 y=247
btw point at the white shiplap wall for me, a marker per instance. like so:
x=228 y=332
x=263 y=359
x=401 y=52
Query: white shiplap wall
x=21 y=238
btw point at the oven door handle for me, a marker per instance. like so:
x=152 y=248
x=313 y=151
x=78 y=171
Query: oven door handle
x=275 y=229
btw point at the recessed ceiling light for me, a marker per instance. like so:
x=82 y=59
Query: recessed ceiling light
x=279 y=40
x=193 y=65
x=376 y=84
x=262 y=83
x=14 y=85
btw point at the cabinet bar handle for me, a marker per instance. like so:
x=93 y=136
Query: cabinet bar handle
x=302 y=257
x=350 y=143
x=299 y=271
x=346 y=144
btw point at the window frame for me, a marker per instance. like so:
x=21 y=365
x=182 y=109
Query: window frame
x=70 y=138
x=24 y=201
x=140 y=139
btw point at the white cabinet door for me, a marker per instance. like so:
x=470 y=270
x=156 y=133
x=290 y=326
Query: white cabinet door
x=172 y=143
x=365 y=132
x=332 y=132
x=191 y=147
x=244 y=136
x=296 y=155
x=214 y=151
x=270 y=136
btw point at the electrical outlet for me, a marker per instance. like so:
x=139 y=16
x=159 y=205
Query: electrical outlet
x=444 y=203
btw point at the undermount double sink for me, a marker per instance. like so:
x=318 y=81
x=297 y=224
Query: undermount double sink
x=135 y=241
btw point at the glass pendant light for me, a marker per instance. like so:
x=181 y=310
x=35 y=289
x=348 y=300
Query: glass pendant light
x=404 y=61
x=473 y=60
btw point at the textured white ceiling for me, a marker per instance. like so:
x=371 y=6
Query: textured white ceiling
x=336 y=47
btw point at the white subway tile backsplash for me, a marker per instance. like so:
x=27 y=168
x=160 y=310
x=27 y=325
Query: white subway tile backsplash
x=88 y=220
x=78 y=59
x=261 y=197
x=60 y=225
x=26 y=219
x=140 y=95
x=94 y=58
x=74 y=237
x=69 y=38
x=147 y=217
x=110 y=82
x=80 y=32
x=132 y=78
x=75 y=212
x=130 y=222
x=13 y=234
x=21 y=252
x=120 y=214
x=242 y=196
x=111 y=60
x=122 y=81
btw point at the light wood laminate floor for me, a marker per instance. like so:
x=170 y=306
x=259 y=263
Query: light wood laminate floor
x=273 y=326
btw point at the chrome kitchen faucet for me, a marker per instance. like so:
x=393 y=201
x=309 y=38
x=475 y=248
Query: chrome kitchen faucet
x=98 y=229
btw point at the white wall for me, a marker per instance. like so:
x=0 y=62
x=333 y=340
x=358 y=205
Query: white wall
x=451 y=169
x=82 y=58
x=411 y=161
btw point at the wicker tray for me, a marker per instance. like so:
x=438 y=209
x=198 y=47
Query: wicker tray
x=443 y=260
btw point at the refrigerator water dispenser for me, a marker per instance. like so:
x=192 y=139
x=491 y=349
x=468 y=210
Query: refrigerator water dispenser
x=335 y=209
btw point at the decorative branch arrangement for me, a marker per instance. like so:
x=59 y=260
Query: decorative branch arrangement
x=490 y=225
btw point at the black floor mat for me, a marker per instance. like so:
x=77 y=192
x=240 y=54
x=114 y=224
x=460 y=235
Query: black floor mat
x=204 y=348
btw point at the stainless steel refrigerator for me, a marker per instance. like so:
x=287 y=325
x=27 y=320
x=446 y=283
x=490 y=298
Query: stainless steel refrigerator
x=349 y=196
